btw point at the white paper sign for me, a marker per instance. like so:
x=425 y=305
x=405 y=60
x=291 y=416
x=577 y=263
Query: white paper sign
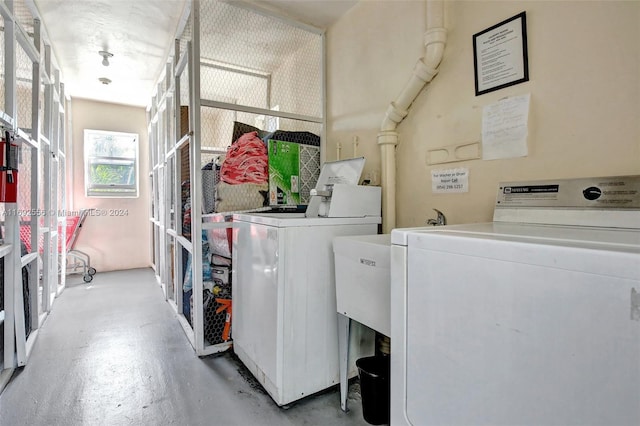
x=504 y=128
x=450 y=180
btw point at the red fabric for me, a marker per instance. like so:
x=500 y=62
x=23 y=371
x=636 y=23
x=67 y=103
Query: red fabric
x=25 y=236
x=246 y=161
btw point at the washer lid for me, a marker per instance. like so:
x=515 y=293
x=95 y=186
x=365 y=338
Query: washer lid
x=299 y=220
x=597 y=250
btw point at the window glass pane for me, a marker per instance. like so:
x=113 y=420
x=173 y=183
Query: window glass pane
x=112 y=145
x=104 y=172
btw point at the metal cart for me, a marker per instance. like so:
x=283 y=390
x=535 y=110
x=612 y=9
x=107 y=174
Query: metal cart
x=76 y=261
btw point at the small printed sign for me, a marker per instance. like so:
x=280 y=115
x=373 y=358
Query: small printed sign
x=450 y=180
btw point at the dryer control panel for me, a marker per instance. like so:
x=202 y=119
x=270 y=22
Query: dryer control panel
x=612 y=201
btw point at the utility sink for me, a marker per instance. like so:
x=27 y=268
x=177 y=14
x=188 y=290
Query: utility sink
x=363 y=279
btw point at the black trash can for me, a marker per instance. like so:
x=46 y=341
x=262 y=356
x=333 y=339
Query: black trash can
x=374 y=388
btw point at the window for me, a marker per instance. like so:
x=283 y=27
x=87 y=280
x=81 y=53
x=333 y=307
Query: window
x=111 y=164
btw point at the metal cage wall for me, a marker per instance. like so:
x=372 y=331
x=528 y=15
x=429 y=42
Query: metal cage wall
x=32 y=116
x=235 y=69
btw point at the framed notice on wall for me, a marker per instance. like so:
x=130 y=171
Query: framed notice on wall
x=500 y=55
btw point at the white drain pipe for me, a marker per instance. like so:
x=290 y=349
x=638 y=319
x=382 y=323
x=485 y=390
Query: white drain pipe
x=426 y=68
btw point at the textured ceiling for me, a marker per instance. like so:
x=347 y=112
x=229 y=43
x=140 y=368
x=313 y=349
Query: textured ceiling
x=139 y=34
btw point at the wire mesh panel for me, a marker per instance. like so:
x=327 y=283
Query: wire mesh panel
x=27 y=212
x=53 y=262
x=171 y=287
x=300 y=126
x=270 y=62
x=61 y=126
x=216 y=297
x=296 y=86
x=224 y=83
x=47 y=187
x=153 y=146
x=40 y=275
x=43 y=184
x=182 y=92
x=171 y=165
x=40 y=111
x=61 y=187
x=184 y=101
x=156 y=208
x=185 y=37
x=23 y=16
x=169 y=141
x=160 y=130
x=152 y=201
x=162 y=88
x=24 y=88
x=216 y=127
x=184 y=207
x=270 y=65
x=25 y=170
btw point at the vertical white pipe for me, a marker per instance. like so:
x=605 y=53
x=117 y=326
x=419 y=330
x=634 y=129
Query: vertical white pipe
x=425 y=69
x=388 y=144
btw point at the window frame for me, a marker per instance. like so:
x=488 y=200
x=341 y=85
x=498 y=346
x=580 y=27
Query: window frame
x=95 y=190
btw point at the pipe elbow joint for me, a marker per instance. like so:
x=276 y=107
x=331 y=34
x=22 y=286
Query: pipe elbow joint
x=395 y=113
x=424 y=71
x=435 y=36
x=388 y=137
x=434 y=42
x=392 y=117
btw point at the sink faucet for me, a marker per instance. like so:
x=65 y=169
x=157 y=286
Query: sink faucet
x=439 y=221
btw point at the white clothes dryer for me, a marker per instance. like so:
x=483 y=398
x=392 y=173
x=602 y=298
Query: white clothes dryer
x=532 y=319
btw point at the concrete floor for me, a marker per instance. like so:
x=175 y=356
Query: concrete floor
x=113 y=353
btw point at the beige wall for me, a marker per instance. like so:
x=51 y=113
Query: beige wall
x=113 y=242
x=584 y=65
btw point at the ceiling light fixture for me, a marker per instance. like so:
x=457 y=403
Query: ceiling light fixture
x=105 y=57
x=104 y=80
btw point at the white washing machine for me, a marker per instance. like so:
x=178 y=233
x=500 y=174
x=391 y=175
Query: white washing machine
x=533 y=319
x=285 y=327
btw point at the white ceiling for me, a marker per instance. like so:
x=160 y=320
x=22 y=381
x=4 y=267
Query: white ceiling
x=139 y=34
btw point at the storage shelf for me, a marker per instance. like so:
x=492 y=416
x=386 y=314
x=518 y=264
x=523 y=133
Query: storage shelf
x=28 y=258
x=5 y=249
x=221 y=88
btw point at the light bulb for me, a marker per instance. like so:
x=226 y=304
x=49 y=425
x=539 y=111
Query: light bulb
x=105 y=57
